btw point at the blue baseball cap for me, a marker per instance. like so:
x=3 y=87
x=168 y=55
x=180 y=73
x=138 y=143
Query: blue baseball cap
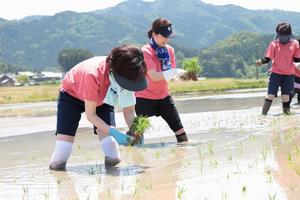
x=137 y=85
x=166 y=31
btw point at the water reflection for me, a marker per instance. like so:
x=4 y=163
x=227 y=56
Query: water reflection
x=222 y=160
x=101 y=169
x=286 y=142
x=65 y=185
x=216 y=103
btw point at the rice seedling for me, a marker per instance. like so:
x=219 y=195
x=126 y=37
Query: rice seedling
x=46 y=194
x=289 y=157
x=88 y=196
x=265 y=152
x=214 y=163
x=148 y=184
x=59 y=180
x=272 y=197
x=252 y=138
x=240 y=148
x=172 y=150
x=210 y=147
x=250 y=165
x=296 y=150
x=244 y=189
x=268 y=174
x=158 y=154
x=224 y=195
x=229 y=157
x=25 y=192
x=91 y=170
x=180 y=192
x=108 y=195
x=135 y=193
x=139 y=126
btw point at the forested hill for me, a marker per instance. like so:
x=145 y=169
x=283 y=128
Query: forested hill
x=235 y=56
x=35 y=41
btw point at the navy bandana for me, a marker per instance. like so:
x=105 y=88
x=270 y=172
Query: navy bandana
x=162 y=54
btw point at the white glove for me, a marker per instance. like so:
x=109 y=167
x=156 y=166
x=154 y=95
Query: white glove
x=173 y=73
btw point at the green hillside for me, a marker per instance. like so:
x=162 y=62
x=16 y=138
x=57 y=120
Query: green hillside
x=34 y=42
x=235 y=56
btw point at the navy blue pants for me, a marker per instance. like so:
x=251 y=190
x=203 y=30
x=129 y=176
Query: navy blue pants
x=286 y=82
x=69 y=111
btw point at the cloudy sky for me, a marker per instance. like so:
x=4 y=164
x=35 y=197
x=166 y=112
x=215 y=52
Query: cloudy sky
x=17 y=9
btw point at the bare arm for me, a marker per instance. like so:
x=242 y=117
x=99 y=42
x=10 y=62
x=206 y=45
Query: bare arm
x=129 y=115
x=262 y=61
x=90 y=111
x=298 y=65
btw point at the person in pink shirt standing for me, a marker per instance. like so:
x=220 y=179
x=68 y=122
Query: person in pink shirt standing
x=94 y=86
x=156 y=100
x=283 y=51
x=296 y=83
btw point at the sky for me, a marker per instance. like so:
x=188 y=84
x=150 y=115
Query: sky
x=288 y=5
x=17 y=9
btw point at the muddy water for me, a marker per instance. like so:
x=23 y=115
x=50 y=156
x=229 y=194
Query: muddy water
x=189 y=103
x=231 y=155
x=236 y=101
x=40 y=117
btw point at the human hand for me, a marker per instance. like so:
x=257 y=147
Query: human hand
x=121 y=138
x=258 y=62
x=138 y=138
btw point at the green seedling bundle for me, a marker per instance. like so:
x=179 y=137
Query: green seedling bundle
x=139 y=126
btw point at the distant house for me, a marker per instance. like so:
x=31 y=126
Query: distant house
x=27 y=73
x=47 y=76
x=6 y=81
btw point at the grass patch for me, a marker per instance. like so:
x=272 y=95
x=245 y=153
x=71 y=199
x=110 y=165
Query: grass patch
x=28 y=94
x=215 y=85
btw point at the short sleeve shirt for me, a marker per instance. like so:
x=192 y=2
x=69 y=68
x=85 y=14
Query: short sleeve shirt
x=88 y=80
x=155 y=89
x=282 y=56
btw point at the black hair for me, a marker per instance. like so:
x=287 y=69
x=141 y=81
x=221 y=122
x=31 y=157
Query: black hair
x=160 y=22
x=284 y=28
x=127 y=61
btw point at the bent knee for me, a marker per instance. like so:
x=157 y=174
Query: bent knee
x=285 y=98
x=270 y=97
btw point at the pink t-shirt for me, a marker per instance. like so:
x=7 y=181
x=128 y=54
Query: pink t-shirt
x=155 y=89
x=88 y=80
x=282 y=56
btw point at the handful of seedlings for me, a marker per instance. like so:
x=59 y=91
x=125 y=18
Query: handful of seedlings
x=139 y=126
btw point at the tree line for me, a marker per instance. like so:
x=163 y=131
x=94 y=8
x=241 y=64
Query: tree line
x=232 y=57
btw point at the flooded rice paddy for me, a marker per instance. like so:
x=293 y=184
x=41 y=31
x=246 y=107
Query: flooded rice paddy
x=233 y=153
